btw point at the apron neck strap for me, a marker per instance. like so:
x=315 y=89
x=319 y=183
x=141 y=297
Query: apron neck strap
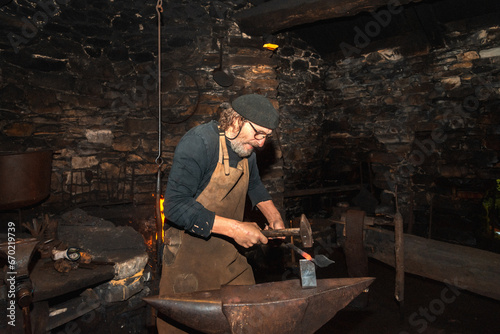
x=223 y=155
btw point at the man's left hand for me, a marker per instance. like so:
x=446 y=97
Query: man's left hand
x=276 y=225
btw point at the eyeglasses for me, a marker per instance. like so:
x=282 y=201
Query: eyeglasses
x=259 y=135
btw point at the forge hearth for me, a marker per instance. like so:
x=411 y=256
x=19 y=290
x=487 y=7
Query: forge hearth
x=112 y=284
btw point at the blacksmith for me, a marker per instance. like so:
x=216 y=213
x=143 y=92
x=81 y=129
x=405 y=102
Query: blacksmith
x=214 y=169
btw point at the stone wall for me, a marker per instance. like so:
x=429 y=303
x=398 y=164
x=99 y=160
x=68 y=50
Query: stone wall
x=425 y=125
x=80 y=78
x=301 y=96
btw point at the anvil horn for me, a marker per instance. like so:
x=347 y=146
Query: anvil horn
x=201 y=310
x=268 y=308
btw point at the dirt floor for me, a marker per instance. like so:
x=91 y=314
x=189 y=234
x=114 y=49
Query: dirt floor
x=429 y=307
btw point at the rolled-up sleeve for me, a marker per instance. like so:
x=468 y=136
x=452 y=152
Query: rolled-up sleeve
x=187 y=175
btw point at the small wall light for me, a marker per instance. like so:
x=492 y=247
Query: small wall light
x=270 y=42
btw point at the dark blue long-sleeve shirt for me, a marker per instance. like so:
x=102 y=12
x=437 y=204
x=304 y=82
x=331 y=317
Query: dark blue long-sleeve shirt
x=195 y=159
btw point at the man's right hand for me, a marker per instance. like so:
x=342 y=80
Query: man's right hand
x=245 y=234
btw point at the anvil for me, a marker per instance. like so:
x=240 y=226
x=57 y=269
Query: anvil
x=268 y=308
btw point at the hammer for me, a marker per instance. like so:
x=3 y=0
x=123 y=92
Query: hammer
x=304 y=232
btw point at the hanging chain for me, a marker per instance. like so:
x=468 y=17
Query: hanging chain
x=159 y=10
x=159 y=162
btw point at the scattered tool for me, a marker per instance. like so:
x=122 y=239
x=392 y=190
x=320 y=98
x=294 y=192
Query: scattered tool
x=219 y=75
x=304 y=232
x=71 y=253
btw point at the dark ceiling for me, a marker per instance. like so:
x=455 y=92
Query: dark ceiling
x=422 y=22
x=418 y=24
x=340 y=28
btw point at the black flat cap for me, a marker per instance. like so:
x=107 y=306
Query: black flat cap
x=257 y=109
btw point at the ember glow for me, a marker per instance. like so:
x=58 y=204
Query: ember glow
x=161 y=210
x=162 y=200
x=162 y=218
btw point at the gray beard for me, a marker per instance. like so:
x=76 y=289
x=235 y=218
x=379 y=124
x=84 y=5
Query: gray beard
x=239 y=149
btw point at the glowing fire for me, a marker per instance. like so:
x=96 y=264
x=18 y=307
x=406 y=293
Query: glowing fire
x=162 y=218
x=161 y=210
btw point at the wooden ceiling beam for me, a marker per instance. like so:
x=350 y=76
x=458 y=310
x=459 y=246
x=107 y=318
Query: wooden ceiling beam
x=276 y=15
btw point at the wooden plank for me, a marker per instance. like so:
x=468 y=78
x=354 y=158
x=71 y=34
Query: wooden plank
x=49 y=283
x=318 y=191
x=467 y=268
x=276 y=15
x=357 y=261
x=71 y=309
x=355 y=253
x=11 y=21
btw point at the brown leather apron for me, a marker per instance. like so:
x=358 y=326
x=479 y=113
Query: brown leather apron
x=192 y=263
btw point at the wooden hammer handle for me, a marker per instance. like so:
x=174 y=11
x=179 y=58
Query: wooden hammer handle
x=284 y=232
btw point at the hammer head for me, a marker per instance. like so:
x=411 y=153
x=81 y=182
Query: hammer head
x=305 y=232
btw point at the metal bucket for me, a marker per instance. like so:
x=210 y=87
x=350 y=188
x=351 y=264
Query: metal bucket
x=24 y=179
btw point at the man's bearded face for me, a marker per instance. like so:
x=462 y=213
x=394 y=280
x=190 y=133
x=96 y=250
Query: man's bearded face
x=241 y=147
x=245 y=143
